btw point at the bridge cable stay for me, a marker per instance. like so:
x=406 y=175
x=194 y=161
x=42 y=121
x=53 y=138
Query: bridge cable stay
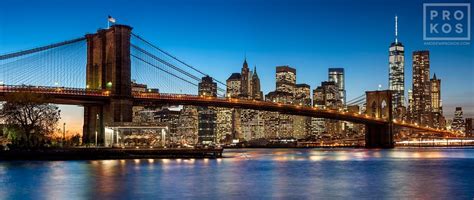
x=165 y=63
x=56 y=65
x=38 y=49
x=356 y=99
x=174 y=75
x=157 y=73
x=175 y=58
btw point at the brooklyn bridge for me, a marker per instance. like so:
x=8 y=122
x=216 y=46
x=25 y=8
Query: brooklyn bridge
x=116 y=57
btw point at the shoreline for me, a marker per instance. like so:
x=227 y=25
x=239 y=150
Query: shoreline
x=129 y=153
x=107 y=154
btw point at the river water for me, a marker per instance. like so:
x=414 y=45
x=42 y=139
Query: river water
x=431 y=173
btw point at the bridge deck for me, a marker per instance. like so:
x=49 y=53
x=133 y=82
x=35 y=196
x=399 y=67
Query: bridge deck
x=80 y=96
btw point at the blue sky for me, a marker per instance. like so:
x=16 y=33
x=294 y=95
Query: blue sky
x=216 y=35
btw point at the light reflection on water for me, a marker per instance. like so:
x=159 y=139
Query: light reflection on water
x=252 y=173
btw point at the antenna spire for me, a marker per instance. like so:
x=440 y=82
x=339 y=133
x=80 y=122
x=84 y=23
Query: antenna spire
x=396 y=29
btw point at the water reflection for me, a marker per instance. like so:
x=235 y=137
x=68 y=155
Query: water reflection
x=252 y=173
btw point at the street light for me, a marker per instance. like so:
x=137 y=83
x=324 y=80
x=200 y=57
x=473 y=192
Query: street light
x=64 y=133
x=97 y=127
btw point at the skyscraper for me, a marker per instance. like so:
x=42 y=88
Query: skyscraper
x=207 y=87
x=245 y=80
x=436 y=105
x=326 y=96
x=302 y=94
x=255 y=83
x=468 y=127
x=285 y=79
x=410 y=105
x=246 y=124
x=421 y=111
x=396 y=76
x=458 y=121
x=436 y=94
x=234 y=85
x=302 y=124
x=207 y=116
x=336 y=75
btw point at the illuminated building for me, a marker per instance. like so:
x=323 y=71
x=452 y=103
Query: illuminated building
x=410 y=105
x=468 y=127
x=276 y=124
x=436 y=105
x=207 y=115
x=207 y=87
x=255 y=85
x=171 y=119
x=224 y=126
x=396 y=74
x=421 y=110
x=302 y=124
x=246 y=124
x=188 y=125
x=336 y=75
x=233 y=85
x=285 y=79
x=458 y=121
x=326 y=96
x=245 y=77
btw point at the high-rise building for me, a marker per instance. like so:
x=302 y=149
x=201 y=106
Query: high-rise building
x=255 y=85
x=276 y=124
x=285 y=79
x=410 y=102
x=245 y=80
x=458 y=121
x=170 y=118
x=326 y=96
x=246 y=124
x=302 y=94
x=207 y=87
x=436 y=104
x=396 y=76
x=207 y=115
x=436 y=94
x=224 y=125
x=421 y=111
x=468 y=127
x=233 y=85
x=302 y=124
x=188 y=125
x=336 y=75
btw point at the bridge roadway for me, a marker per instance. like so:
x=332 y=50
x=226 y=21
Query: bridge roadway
x=79 y=96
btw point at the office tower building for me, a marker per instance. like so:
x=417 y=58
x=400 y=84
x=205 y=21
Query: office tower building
x=336 y=75
x=396 y=74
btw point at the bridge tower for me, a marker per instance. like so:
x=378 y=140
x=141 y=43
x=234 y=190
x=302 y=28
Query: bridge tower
x=108 y=69
x=379 y=105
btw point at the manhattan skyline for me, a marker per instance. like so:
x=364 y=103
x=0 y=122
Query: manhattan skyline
x=307 y=36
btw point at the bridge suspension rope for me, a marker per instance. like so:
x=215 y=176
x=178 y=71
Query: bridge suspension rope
x=59 y=65
x=38 y=49
x=157 y=67
x=147 y=56
x=175 y=58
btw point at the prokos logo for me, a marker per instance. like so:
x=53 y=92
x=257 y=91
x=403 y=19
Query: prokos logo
x=447 y=21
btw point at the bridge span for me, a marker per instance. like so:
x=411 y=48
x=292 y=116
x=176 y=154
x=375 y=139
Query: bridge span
x=108 y=97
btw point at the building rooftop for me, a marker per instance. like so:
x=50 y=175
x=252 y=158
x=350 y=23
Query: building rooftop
x=235 y=76
x=285 y=69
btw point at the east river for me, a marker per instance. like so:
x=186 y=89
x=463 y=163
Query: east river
x=406 y=173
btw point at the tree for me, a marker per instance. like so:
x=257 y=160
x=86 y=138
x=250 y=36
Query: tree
x=31 y=118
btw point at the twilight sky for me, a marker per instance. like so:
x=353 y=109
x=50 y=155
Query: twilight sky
x=215 y=36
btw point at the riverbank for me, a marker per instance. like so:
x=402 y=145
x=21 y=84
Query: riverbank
x=107 y=153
